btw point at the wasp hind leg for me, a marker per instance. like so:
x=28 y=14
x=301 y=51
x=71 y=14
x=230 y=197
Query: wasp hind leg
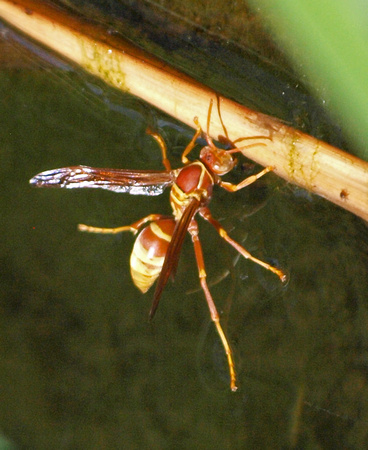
x=193 y=230
x=134 y=227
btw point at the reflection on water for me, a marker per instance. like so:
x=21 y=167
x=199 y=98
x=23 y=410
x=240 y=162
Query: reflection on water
x=81 y=367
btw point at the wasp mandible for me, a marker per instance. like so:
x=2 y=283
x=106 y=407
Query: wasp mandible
x=157 y=247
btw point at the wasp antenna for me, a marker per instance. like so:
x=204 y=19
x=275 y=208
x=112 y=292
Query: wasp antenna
x=239 y=149
x=209 y=116
x=220 y=117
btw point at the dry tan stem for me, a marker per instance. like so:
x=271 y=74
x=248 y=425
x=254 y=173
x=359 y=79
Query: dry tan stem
x=298 y=158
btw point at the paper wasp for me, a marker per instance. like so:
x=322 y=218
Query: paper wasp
x=157 y=248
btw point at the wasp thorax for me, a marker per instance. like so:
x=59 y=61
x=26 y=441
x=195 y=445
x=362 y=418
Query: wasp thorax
x=217 y=160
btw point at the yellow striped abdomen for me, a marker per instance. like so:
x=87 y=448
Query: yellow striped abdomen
x=149 y=252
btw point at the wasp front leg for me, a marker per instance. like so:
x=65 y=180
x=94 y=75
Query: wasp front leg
x=193 y=230
x=236 y=187
x=192 y=143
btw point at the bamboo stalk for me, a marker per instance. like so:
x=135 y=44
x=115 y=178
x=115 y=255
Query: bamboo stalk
x=297 y=157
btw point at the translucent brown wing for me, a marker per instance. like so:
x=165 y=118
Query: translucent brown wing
x=136 y=182
x=173 y=252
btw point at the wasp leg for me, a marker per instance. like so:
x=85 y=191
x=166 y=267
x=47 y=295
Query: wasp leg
x=193 y=230
x=191 y=144
x=161 y=143
x=236 y=187
x=134 y=227
x=206 y=214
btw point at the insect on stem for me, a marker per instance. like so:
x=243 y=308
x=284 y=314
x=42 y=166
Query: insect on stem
x=160 y=238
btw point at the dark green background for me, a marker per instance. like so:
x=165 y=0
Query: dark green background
x=81 y=366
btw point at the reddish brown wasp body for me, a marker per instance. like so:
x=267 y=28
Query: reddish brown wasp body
x=157 y=248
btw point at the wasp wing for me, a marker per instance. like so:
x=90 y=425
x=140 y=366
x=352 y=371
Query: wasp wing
x=173 y=252
x=136 y=182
